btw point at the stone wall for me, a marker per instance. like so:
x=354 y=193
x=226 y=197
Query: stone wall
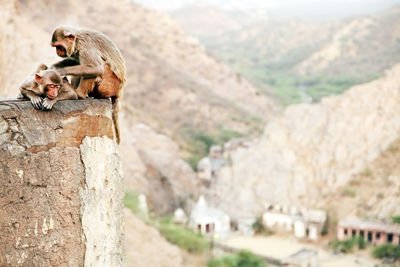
x=61 y=185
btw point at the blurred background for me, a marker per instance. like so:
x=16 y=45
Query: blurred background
x=270 y=126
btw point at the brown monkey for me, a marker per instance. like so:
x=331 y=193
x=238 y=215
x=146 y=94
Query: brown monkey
x=45 y=88
x=89 y=55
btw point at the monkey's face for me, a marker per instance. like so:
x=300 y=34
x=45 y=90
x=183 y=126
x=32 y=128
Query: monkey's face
x=51 y=90
x=64 y=42
x=49 y=83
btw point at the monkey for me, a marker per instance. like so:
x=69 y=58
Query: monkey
x=45 y=88
x=90 y=55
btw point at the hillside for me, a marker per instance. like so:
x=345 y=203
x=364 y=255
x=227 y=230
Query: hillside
x=167 y=70
x=372 y=193
x=146 y=247
x=312 y=150
x=173 y=85
x=296 y=58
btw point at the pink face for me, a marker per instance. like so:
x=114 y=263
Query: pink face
x=51 y=90
x=63 y=44
x=47 y=86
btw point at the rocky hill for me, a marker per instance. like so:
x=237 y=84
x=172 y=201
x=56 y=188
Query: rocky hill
x=146 y=247
x=22 y=47
x=360 y=45
x=372 y=193
x=173 y=85
x=312 y=150
x=286 y=56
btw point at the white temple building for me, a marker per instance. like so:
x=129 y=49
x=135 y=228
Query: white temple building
x=209 y=221
x=180 y=216
x=304 y=223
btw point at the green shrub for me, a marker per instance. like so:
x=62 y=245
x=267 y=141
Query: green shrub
x=347 y=246
x=348 y=192
x=362 y=244
x=367 y=172
x=131 y=201
x=182 y=236
x=242 y=258
x=225 y=261
x=393 y=148
x=225 y=135
x=325 y=227
x=386 y=251
x=193 y=160
x=199 y=144
x=259 y=227
x=395 y=219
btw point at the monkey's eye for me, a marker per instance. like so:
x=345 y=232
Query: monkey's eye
x=71 y=37
x=52 y=86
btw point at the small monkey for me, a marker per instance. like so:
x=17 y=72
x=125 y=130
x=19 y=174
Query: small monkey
x=45 y=88
x=90 y=55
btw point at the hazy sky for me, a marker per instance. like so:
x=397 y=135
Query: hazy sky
x=299 y=8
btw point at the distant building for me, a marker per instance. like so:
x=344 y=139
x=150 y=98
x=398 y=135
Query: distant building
x=142 y=206
x=180 y=216
x=299 y=228
x=305 y=223
x=209 y=221
x=374 y=232
x=245 y=226
x=204 y=169
x=207 y=167
x=218 y=157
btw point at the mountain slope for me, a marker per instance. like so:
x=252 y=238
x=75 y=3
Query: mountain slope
x=312 y=149
x=161 y=61
x=146 y=247
x=290 y=57
x=372 y=193
x=364 y=44
x=173 y=86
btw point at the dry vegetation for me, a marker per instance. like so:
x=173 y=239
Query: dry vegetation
x=283 y=55
x=375 y=192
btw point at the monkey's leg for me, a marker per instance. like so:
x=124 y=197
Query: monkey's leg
x=75 y=80
x=85 y=87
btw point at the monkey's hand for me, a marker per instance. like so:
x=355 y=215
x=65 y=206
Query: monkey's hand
x=36 y=102
x=48 y=103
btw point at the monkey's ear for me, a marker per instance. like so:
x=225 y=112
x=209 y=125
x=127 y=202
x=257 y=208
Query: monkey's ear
x=38 y=78
x=41 y=67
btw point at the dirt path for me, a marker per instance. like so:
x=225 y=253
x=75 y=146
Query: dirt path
x=281 y=247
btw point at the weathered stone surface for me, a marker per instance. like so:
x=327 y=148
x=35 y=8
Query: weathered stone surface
x=60 y=185
x=102 y=196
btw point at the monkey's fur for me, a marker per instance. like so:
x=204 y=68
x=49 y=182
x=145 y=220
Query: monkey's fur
x=90 y=54
x=45 y=88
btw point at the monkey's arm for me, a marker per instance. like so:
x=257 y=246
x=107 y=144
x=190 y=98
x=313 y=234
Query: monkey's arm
x=82 y=70
x=65 y=63
x=66 y=92
x=91 y=65
x=36 y=100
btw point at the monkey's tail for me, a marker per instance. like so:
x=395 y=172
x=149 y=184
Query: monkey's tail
x=115 y=111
